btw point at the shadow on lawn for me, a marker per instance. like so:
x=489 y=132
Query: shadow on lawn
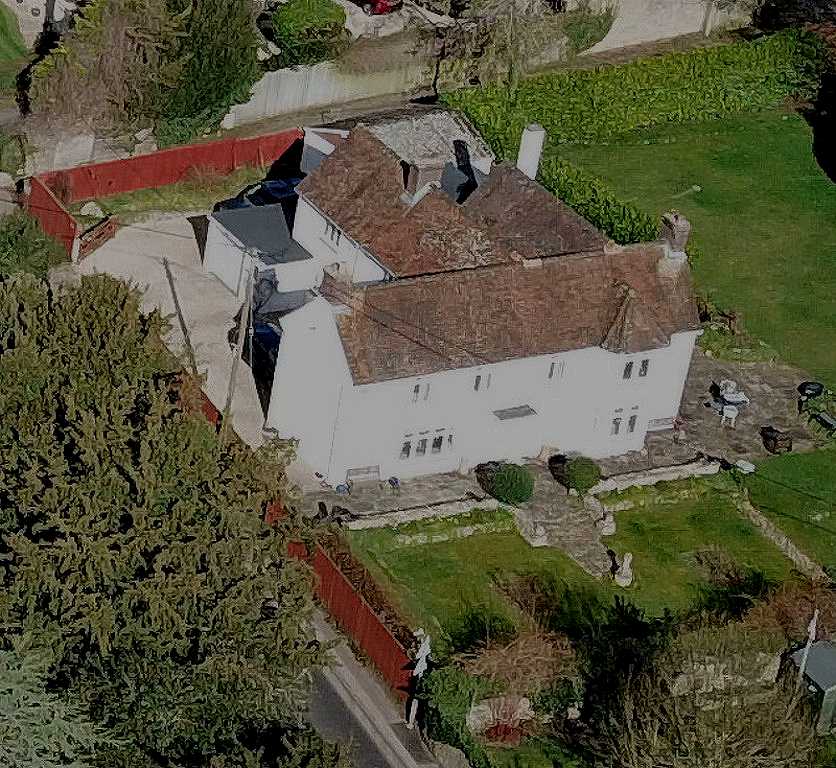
x=822 y=119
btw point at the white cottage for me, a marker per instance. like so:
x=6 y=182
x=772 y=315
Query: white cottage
x=466 y=314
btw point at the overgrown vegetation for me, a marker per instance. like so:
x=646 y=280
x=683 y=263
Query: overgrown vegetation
x=583 y=27
x=308 y=31
x=132 y=547
x=164 y=64
x=24 y=247
x=13 y=53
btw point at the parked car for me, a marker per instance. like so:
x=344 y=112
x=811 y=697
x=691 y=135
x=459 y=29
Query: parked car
x=379 y=7
x=266 y=192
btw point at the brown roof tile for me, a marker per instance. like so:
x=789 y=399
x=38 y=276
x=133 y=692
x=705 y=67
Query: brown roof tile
x=429 y=324
x=522 y=215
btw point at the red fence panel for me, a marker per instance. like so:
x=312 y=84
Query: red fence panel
x=168 y=166
x=356 y=617
x=53 y=217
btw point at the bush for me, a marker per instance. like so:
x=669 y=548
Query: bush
x=449 y=693
x=584 y=27
x=510 y=483
x=582 y=474
x=477 y=626
x=25 y=247
x=596 y=105
x=308 y=31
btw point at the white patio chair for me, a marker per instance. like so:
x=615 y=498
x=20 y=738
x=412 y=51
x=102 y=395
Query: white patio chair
x=728 y=415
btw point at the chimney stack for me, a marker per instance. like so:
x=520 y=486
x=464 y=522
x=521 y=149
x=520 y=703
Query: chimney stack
x=531 y=147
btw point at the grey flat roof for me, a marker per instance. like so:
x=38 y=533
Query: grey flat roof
x=821 y=664
x=517 y=412
x=264 y=228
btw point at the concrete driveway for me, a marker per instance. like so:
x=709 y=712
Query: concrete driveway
x=136 y=255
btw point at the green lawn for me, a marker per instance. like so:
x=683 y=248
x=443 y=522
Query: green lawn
x=434 y=584
x=666 y=530
x=764 y=219
x=13 y=52
x=798 y=492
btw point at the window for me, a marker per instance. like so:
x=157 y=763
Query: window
x=415 y=391
x=628 y=370
x=421 y=448
x=631 y=423
x=437 y=443
x=426 y=391
x=449 y=441
x=476 y=382
x=556 y=369
x=645 y=364
x=616 y=426
x=405 y=449
x=333 y=233
x=551 y=371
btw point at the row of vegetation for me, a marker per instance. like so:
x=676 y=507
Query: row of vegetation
x=150 y=618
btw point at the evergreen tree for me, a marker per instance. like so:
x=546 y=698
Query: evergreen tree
x=131 y=540
x=37 y=728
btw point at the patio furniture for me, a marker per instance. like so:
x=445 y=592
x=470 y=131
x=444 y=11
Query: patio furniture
x=728 y=415
x=808 y=390
x=395 y=485
x=727 y=386
x=827 y=421
x=776 y=441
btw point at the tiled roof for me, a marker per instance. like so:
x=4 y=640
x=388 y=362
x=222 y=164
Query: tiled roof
x=634 y=327
x=425 y=325
x=360 y=188
x=521 y=215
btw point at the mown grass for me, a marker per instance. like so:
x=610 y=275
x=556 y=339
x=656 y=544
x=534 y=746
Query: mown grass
x=435 y=584
x=764 y=218
x=798 y=492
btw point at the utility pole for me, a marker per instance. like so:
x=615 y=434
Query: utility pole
x=243 y=330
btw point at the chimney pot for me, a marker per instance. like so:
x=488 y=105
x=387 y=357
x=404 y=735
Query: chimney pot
x=531 y=148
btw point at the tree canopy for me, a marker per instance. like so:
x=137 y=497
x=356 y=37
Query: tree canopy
x=132 y=547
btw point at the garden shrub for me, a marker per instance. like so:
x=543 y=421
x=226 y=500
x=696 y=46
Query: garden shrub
x=582 y=474
x=734 y=594
x=308 y=31
x=596 y=105
x=449 y=693
x=477 y=626
x=584 y=27
x=25 y=247
x=510 y=483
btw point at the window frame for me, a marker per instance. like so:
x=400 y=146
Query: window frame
x=615 y=426
x=627 y=373
x=406 y=449
x=416 y=391
x=644 y=367
x=437 y=444
x=421 y=447
x=631 y=424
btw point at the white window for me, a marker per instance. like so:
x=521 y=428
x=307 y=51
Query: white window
x=628 y=370
x=645 y=364
x=416 y=390
x=477 y=382
x=421 y=447
x=631 y=423
x=616 y=426
x=556 y=369
x=438 y=442
x=406 y=448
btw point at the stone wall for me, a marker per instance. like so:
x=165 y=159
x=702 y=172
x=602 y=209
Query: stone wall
x=657 y=475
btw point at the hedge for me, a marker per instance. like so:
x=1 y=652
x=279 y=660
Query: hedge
x=511 y=483
x=308 y=31
x=595 y=105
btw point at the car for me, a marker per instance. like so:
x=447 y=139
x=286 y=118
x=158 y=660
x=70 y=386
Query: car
x=379 y=7
x=268 y=192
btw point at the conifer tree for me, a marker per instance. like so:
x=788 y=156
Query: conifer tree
x=131 y=540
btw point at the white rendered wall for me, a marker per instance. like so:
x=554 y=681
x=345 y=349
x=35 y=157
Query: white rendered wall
x=366 y=425
x=311 y=231
x=225 y=257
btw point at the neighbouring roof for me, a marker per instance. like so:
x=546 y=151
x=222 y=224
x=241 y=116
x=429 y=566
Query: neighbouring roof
x=264 y=228
x=821 y=664
x=522 y=215
x=424 y=325
x=426 y=140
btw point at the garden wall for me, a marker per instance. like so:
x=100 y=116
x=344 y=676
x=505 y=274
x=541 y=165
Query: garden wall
x=293 y=90
x=51 y=192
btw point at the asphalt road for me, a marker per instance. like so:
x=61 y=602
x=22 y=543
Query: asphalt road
x=335 y=722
